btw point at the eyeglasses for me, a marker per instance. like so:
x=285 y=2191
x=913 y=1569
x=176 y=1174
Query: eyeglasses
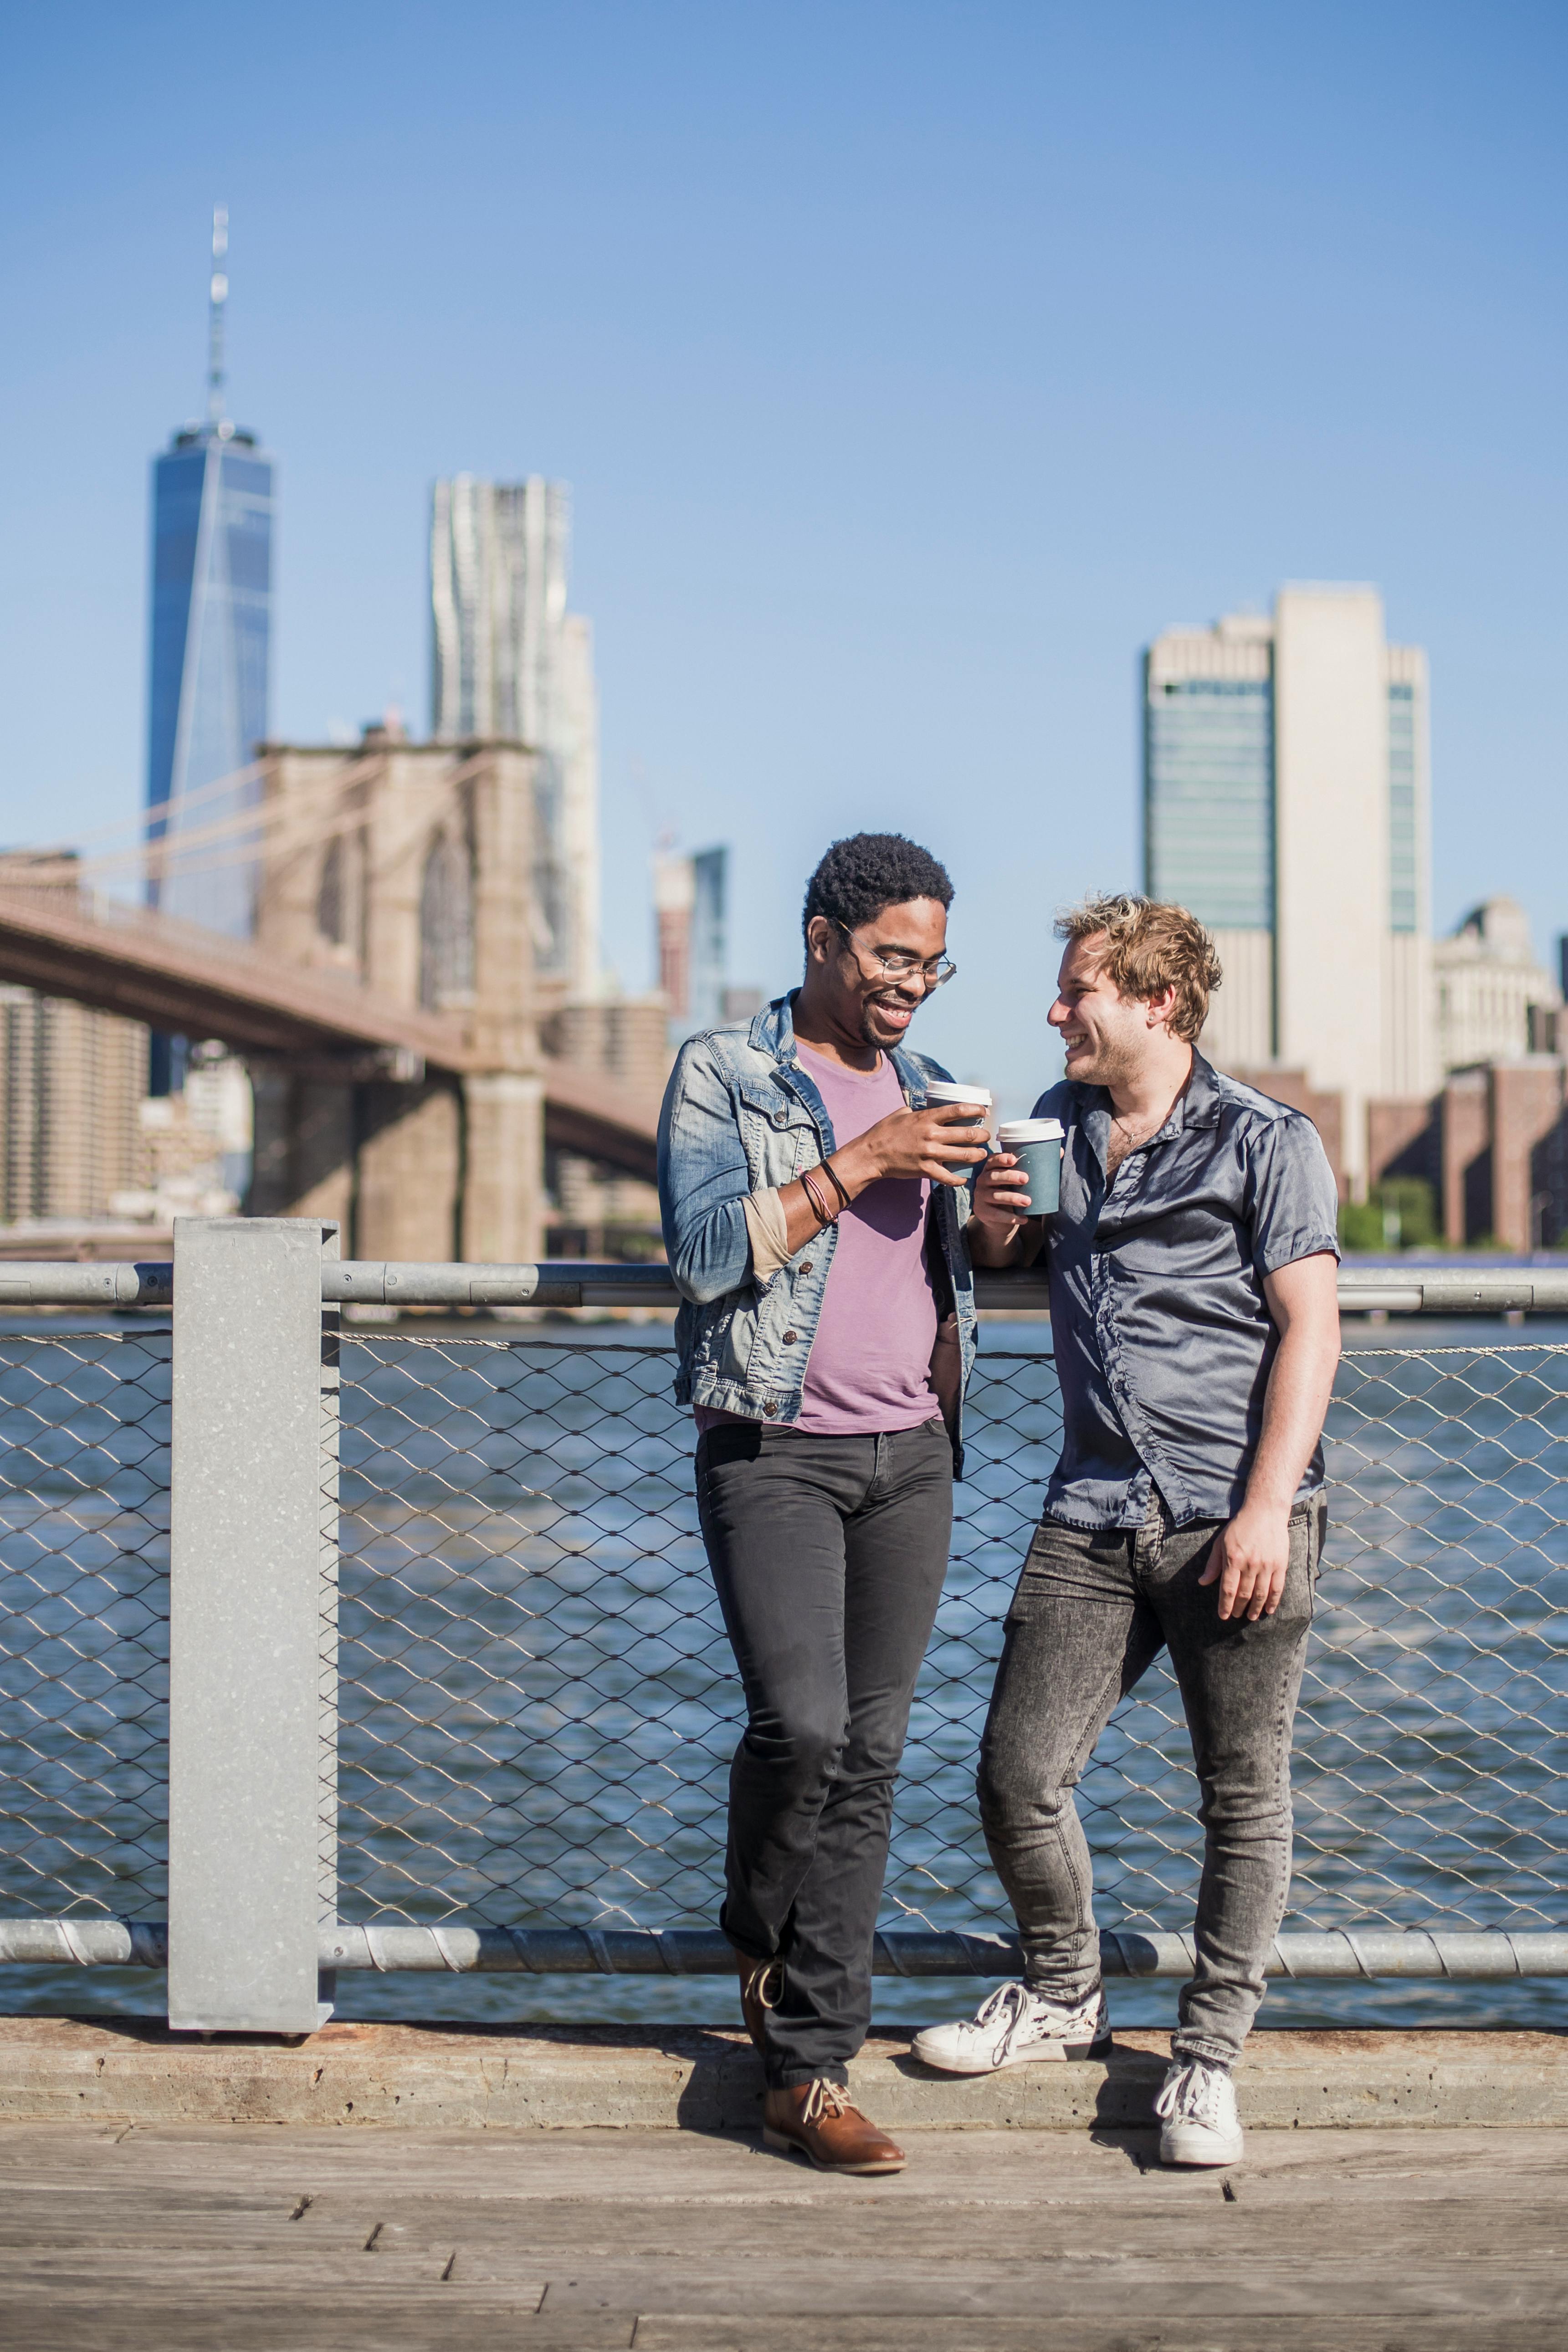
x=897 y=965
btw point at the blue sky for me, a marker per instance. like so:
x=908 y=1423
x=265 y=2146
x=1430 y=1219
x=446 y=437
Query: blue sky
x=911 y=365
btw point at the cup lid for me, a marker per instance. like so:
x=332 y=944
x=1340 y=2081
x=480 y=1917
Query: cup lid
x=1030 y=1130
x=946 y=1090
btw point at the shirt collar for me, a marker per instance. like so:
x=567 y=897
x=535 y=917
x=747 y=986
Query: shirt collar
x=1197 y=1105
x=1200 y=1104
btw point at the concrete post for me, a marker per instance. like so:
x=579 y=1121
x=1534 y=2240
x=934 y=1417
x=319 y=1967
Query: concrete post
x=252 y=1650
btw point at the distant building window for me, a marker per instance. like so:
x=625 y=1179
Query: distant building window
x=1403 y=877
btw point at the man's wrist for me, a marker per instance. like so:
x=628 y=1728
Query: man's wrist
x=1268 y=1505
x=988 y=1246
x=855 y=1164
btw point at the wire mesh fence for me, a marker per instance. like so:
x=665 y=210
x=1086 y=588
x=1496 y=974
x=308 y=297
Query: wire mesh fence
x=537 y=1705
x=84 y=1623
x=540 y=1706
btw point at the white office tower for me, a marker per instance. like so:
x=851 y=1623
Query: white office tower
x=511 y=665
x=1286 y=804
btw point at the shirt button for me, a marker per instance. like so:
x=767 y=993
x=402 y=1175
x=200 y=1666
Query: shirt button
x=769 y=1410
x=806 y=1266
x=790 y=1339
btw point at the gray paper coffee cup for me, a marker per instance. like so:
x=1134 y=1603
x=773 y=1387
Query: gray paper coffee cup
x=1037 y=1145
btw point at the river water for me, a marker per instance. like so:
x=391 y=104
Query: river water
x=538 y=1706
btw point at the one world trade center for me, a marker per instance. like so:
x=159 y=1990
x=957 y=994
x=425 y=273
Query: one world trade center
x=211 y=614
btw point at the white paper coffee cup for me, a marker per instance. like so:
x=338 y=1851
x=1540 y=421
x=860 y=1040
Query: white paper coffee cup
x=942 y=1092
x=1014 y=1131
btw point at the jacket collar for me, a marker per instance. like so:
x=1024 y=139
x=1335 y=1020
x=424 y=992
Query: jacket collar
x=772 y=1032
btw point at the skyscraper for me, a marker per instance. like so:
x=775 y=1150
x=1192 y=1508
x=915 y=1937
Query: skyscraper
x=1286 y=804
x=211 y=626
x=510 y=664
x=690 y=896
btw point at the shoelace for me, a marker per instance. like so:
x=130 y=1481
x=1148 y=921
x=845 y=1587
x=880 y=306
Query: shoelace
x=1007 y=2006
x=1193 y=2095
x=826 y=2099
x=765 y=1983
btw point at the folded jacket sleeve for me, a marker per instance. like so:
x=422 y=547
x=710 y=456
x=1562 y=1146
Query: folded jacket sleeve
x=764 y=1213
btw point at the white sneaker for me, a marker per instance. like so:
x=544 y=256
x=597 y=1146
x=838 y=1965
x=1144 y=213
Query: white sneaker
x=1198 y=2122
x=1013 y=2027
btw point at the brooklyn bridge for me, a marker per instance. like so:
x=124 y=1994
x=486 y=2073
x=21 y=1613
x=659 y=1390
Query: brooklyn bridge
x=409 y=1064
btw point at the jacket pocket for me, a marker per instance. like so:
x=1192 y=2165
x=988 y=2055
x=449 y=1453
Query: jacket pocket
x=779 y=1134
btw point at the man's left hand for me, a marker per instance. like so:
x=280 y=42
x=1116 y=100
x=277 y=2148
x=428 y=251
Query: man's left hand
x=1248 y=1559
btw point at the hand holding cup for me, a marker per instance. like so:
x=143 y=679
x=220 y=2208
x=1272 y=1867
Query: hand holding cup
x=943 y=1143
x=1020 y=1179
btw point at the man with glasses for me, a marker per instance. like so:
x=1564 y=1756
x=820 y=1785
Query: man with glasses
x=813 y=1213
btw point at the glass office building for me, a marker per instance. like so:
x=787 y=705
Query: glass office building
x=1286 y=804
x=212 y=506
x=1208 y=803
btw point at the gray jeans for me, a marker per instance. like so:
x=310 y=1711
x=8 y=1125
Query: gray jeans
x=1092 y=1610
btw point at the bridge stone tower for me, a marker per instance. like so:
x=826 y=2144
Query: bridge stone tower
x=408 y=868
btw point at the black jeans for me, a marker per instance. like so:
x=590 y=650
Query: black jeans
x=1092 y=1612
x=828 y=1554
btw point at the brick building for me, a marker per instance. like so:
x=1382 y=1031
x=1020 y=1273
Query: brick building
x=1493 y=1145
x=71 y=1082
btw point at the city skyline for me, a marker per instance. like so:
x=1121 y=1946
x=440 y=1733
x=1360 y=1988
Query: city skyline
x=889 y=444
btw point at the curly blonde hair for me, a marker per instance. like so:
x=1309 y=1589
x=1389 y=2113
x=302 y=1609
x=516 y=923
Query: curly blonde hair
x=1149 y=946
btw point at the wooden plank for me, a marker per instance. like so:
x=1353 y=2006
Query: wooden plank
x=1123 y=2290
x=699 y=2331
x=236 y=2269
x=1173 y=2213
x=330 y=2320
x=610 y=2163
x=1016 y=2236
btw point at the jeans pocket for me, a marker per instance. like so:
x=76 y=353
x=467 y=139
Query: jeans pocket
x=1300 y=1598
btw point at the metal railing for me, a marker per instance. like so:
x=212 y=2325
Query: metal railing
x=451 y=1691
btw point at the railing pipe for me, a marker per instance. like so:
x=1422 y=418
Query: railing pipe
x=115 y=1283
x=566 y=1282
x=1363 y=1953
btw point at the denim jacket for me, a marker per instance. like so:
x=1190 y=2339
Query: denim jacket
x=742 y=1116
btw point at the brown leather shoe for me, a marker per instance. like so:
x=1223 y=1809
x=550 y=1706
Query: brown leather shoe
x=761 y=1984
x=818 y=2119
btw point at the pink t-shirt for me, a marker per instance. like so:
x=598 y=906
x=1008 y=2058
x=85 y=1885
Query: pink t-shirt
x=868 y=1369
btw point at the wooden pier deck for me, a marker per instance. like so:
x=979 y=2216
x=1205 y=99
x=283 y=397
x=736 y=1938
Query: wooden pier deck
x=275 y=2238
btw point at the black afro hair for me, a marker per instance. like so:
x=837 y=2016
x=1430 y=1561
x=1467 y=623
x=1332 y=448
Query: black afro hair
x=867 y=871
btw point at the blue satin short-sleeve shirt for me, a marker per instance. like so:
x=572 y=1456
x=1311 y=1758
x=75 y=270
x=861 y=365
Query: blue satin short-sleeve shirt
x=1163 y=1340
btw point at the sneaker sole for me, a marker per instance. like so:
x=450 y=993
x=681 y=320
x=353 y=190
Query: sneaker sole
x=1050 y=2053
x=783 y=2146
x=1209 y=2163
